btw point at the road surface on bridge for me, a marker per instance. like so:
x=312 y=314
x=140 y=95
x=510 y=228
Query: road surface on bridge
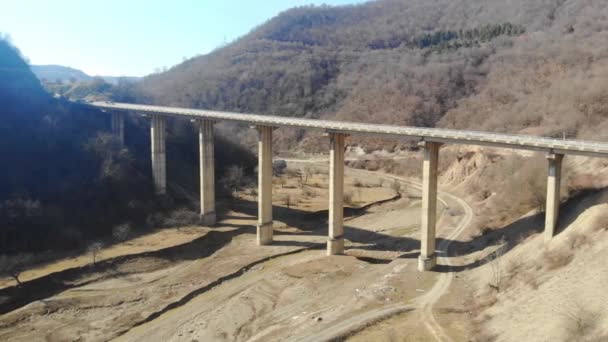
x=521 y=142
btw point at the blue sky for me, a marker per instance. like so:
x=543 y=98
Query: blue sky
x=132 y=37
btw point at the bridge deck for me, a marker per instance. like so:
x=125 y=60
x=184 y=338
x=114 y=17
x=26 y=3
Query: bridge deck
x=522 y=142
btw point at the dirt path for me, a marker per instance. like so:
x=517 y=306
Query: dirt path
x=445 y=279
x=425 y=302
x=428 y=301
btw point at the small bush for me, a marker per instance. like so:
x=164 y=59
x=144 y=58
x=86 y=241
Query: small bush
x=396 y=186
x=557 y=259
x=308 y=192
x=577 y=240
x=580 y=322
x=290 y=201
x=601 y=223
x=348 y=198
x=181 y=217
x=121 y=232
x=529 y=278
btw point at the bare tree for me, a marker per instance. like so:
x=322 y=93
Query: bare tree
x=14 y=265
x=496 y=265
x=95 y=249
x=282 y=181
x=307 y=172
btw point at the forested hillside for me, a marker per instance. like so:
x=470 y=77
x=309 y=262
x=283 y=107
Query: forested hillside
x=532 y=66
x=65 y=182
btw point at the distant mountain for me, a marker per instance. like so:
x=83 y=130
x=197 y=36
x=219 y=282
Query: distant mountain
x=115 y=79
x=52 y=73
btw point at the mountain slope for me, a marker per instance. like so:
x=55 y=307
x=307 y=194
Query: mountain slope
x=65 y=181
x=52 y=73
x=463 y=63
x=17 y=82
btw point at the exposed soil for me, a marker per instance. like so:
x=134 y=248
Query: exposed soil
x=221 y=286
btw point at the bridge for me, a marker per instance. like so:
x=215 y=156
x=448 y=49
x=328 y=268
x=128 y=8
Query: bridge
x=429 y=139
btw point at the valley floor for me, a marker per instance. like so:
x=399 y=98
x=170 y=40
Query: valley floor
x=239 y=291
x=215 y=284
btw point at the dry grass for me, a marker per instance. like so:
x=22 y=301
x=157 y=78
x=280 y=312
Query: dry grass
x=476 y=305
x=578 y=240
x=579 y=323
x=554 y=259
x=601 y=222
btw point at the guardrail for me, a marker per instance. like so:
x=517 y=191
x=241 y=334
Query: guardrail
x=521 y=142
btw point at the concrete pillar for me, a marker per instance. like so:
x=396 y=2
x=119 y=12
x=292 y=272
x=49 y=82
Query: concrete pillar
x=159 y=162
x=553 y=196
x=428 y=258
x=207 y=172
x=335 y=243
x=118 y=127
x=264 y=228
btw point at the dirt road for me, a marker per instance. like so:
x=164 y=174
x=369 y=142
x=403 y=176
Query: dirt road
x=424 y=303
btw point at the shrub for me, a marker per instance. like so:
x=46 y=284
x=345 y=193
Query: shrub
x=577 y=240
x=181 y=217
x=601 y=222
x=396 y=185
x=233 y=179
x=348 y=198
x=557 y=258
x=580 y=322
x=121 y=232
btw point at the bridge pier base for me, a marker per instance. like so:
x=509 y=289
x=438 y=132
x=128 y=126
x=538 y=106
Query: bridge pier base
x=207 y=172
x=554 y=177
x=264 y=227
x=335 y=242
x=159 y=161
x=428 y=258
x=118 y=127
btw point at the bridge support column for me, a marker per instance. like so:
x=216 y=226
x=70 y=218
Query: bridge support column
x=207 y=172
x=554 y=177
x=118 y=127
x=264 y=228
x=159 y=162
x=428 y=258
x=335 y=242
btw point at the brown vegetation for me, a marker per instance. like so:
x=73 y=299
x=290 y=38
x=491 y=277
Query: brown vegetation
x=523 y=66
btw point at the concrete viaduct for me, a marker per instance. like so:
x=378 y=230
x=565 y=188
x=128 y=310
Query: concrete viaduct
x=430 y=139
